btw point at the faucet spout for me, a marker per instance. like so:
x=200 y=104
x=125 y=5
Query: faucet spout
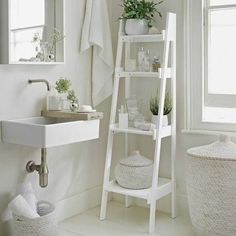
x=30 y=81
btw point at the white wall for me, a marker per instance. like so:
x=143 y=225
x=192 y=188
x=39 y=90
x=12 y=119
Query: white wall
x=74 y=169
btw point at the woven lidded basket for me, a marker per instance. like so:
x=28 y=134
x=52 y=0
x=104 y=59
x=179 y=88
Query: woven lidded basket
x=134 y=172
x=45 y=225
x=211 y=187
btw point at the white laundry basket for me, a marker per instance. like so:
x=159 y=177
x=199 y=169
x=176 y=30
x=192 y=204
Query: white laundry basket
x=211 y=187
x=45 y=225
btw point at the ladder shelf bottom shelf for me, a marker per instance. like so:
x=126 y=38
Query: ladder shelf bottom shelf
x=164 y=188
x=165 y=132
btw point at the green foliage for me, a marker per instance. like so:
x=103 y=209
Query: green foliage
x=154 y=105
x=140 y=9
x=71 y=96
x=63 y=85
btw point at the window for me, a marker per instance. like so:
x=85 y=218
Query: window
x=24 y=24
x=212 y=53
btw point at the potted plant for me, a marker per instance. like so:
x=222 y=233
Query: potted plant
x=62 y=87
x=154 y=108
x=139 y=15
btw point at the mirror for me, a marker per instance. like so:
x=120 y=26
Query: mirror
x=32 y=32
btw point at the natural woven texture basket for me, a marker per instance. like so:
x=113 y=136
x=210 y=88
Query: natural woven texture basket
x=211 y=186
x=45 y=225
x=134 y=172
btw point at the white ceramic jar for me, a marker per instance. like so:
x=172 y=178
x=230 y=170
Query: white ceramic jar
x=134 y=172
x=156 y=118
x=136 y=27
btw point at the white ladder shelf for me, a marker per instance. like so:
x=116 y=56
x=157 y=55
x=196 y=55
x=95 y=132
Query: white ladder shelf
x=160 y=186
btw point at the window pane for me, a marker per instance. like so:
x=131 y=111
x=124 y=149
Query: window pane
x=22 y=46
x=222 y=2
x=222 y=52
x=27 y=13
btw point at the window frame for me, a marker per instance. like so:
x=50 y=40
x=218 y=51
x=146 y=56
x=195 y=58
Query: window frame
x=213 y=100
x=193 y=105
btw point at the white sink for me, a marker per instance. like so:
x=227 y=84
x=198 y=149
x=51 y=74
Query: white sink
x=43 y=132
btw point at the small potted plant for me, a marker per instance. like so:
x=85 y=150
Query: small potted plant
x=74 y=103
x=62 y=87
x=154 y=108
x=139 y=15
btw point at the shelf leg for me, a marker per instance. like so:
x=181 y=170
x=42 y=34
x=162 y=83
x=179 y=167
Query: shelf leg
x=128 y=201
x=103 y=211
x=152 y=217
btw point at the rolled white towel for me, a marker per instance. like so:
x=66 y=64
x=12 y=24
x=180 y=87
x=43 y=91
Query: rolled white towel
x=27 y=192
x=20 y=207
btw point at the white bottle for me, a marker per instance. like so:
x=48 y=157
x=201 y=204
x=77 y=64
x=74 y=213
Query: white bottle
x=147 y=61
x=123 y=118
x=54 y=101
x=141 y=59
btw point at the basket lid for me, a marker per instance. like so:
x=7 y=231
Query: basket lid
x=136 y=160
x=223 y=149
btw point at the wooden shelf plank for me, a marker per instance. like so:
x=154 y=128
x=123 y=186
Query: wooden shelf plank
x=66 y=114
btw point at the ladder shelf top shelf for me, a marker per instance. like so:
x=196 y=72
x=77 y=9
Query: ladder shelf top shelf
x=163 y=189
x=166 y=131
x=148 y=38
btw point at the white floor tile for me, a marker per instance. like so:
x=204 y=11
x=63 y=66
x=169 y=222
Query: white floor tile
x=123 y=221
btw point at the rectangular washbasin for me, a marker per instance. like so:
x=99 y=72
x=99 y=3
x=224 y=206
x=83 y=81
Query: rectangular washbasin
x=41 y=132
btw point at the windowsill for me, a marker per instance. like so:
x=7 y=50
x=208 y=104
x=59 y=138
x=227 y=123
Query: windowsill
x=207 y=132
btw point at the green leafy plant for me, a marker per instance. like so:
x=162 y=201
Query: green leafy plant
x=63 y=85
x=140 y=9
x=71 y=96
x=154 y=105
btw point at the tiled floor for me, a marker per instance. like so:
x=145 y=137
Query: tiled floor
x=123 y=221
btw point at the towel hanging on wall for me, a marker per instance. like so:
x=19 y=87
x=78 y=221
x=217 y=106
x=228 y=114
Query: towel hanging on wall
x=96 y=33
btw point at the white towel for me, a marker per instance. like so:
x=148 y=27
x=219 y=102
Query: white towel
x=27 y=192
x=20 y=207
x=96 y=32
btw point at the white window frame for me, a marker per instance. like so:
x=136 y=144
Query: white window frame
x=195 y=88
x=214 y=100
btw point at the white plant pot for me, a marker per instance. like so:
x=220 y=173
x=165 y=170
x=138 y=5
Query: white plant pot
x=136 y=27
x=156 y=118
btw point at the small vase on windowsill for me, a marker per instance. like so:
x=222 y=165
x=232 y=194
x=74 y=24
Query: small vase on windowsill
x=155 y=120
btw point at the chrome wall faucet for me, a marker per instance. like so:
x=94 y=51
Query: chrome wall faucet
x=31 y=81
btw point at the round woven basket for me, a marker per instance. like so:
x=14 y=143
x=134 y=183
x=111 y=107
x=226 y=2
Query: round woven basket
x=134 y=172
x=211 y=187
x=45 y=225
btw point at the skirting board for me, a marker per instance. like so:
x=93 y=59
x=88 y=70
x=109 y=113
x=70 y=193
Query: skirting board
x=78 y=203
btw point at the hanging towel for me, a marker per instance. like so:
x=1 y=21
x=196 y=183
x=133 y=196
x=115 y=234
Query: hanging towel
x=96 y=33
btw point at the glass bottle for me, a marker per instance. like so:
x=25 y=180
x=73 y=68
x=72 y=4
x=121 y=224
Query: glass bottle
x=141 y=59
x=147 y=61
x=54 y=101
